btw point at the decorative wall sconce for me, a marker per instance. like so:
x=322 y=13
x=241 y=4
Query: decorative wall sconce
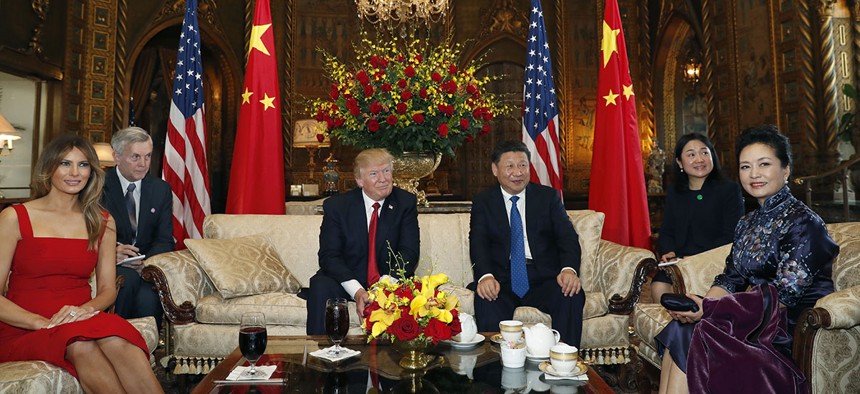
x=691 y=71
x=7 y=135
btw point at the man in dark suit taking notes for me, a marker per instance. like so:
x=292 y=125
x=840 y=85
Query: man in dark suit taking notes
x=357 y=228
x=142 y=207
x=524 y=249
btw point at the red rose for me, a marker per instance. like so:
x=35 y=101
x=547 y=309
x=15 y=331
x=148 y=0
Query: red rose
x=405 y=328
x=373 y=125
x=436 y=77
x=419 y=58
x=334 y=92
x=401 y=108
x=455 y=325
x=351 y=103
x=400 y=58
x=379 y=74
x=320 y=138
x=409 y=71
x=443 y=130
x=383 y=62
x=418 y=118
x=354 y=111
x=374 y=61
x=476 y=113
x=452 y=69
x=319 y=116
x=386 y=87
x=464 y=123
x=437 y=330
x=470 y=138
x=401 y=83
x=485 y=129
x=405 y=95
x=404 y=292
x=471 y=89
x=368 y=91
x=338 y=122
x=446 y=109
x=449 y=87
x=362 y=77
x=375 y=108
x=487 y=116
x=329 y=123
x=423 y=93
x=392 y=120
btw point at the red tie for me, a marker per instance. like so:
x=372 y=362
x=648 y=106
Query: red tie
x=372 y=270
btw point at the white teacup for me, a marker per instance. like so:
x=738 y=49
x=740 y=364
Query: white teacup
x=512 y=330
x=563 y=357
x=468 y=328
x=513 y=354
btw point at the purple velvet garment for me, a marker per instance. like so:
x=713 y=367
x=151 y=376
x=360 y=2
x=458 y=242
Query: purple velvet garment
x=733 y=346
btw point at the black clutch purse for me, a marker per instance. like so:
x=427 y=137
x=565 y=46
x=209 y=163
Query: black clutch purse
x=678 y=303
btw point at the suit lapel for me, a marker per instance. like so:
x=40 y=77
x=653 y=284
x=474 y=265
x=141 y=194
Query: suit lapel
x=143 y=214
x=116 y=198
x=499 y=214
x=358 y=217
x=531 y=207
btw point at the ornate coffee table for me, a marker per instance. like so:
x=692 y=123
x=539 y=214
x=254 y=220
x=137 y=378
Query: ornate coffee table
x=477 y=370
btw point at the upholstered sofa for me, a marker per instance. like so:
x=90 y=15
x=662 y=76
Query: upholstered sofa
x=204 y=322
x=827 y=337
x=40 y=377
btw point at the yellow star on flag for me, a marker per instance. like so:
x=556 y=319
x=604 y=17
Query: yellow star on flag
x=609 y=43
x=628 y=91
x=246 y=97
x=610 y=98
x=257 y=32
x=267 y=102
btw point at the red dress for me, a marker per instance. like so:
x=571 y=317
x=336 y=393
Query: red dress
x=46 y=274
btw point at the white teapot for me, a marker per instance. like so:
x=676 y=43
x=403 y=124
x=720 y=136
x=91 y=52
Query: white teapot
x=468 y=327
x=539 y=338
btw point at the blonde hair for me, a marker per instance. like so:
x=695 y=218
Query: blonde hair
x=369 y=157
x=88 y=198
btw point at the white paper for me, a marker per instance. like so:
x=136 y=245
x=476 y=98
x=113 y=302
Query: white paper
x=132 y=259
x=263 y=372
x=344 y=354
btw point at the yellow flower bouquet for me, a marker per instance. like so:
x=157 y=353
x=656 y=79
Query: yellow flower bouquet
x=406 y=97
x=412 y=309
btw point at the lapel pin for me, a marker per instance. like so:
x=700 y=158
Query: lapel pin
x=390 y=206
x=151 y=210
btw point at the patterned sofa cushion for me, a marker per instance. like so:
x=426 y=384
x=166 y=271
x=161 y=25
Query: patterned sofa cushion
x=243 y=266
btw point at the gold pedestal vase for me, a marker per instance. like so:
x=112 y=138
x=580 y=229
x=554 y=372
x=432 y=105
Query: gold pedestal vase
x=410 y=167
x=414 y=353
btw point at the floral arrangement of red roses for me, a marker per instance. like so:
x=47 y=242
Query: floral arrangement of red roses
x=411 y=308
x=408 y=96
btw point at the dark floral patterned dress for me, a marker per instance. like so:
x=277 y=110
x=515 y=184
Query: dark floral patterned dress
x=784 y=244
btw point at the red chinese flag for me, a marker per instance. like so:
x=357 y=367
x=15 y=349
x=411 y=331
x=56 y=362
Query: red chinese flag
x=617 y=179
x=257 y=174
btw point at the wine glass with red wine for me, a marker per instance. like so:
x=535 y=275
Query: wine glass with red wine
x=336 y=323
x=253 y=339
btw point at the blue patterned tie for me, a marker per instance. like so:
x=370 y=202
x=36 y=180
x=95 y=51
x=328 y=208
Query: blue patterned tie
x=519 y=275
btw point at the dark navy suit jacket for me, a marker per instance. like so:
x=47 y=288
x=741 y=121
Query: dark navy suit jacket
x=552 y=240
x=155 y=216
x=343 y=235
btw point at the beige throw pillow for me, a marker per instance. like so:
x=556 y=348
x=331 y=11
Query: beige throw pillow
x=243 y=266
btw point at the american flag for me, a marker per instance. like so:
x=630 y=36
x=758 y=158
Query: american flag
x=540 y=113
x=185 y=150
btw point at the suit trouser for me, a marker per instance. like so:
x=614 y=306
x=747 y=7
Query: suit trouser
x=137 y=298
x=545 y=295
x=321 y=289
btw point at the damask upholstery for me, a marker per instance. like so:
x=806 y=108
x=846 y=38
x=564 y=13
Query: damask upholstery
x=202 y=325
x=37 y=377
x=244 y=266
x=827 y=339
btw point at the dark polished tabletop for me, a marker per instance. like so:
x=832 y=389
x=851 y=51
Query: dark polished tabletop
x=474 y=370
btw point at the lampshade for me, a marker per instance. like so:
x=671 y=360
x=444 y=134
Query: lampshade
x=7 y=133
x=305 y=134
x=105 y=154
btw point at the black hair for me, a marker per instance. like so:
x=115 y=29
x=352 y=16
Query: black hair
x=682 y=181
x=509 y=146
x=769 y=135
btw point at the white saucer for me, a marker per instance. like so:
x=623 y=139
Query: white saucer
x=546 y=367
x=477 y=340
x=532 y=357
